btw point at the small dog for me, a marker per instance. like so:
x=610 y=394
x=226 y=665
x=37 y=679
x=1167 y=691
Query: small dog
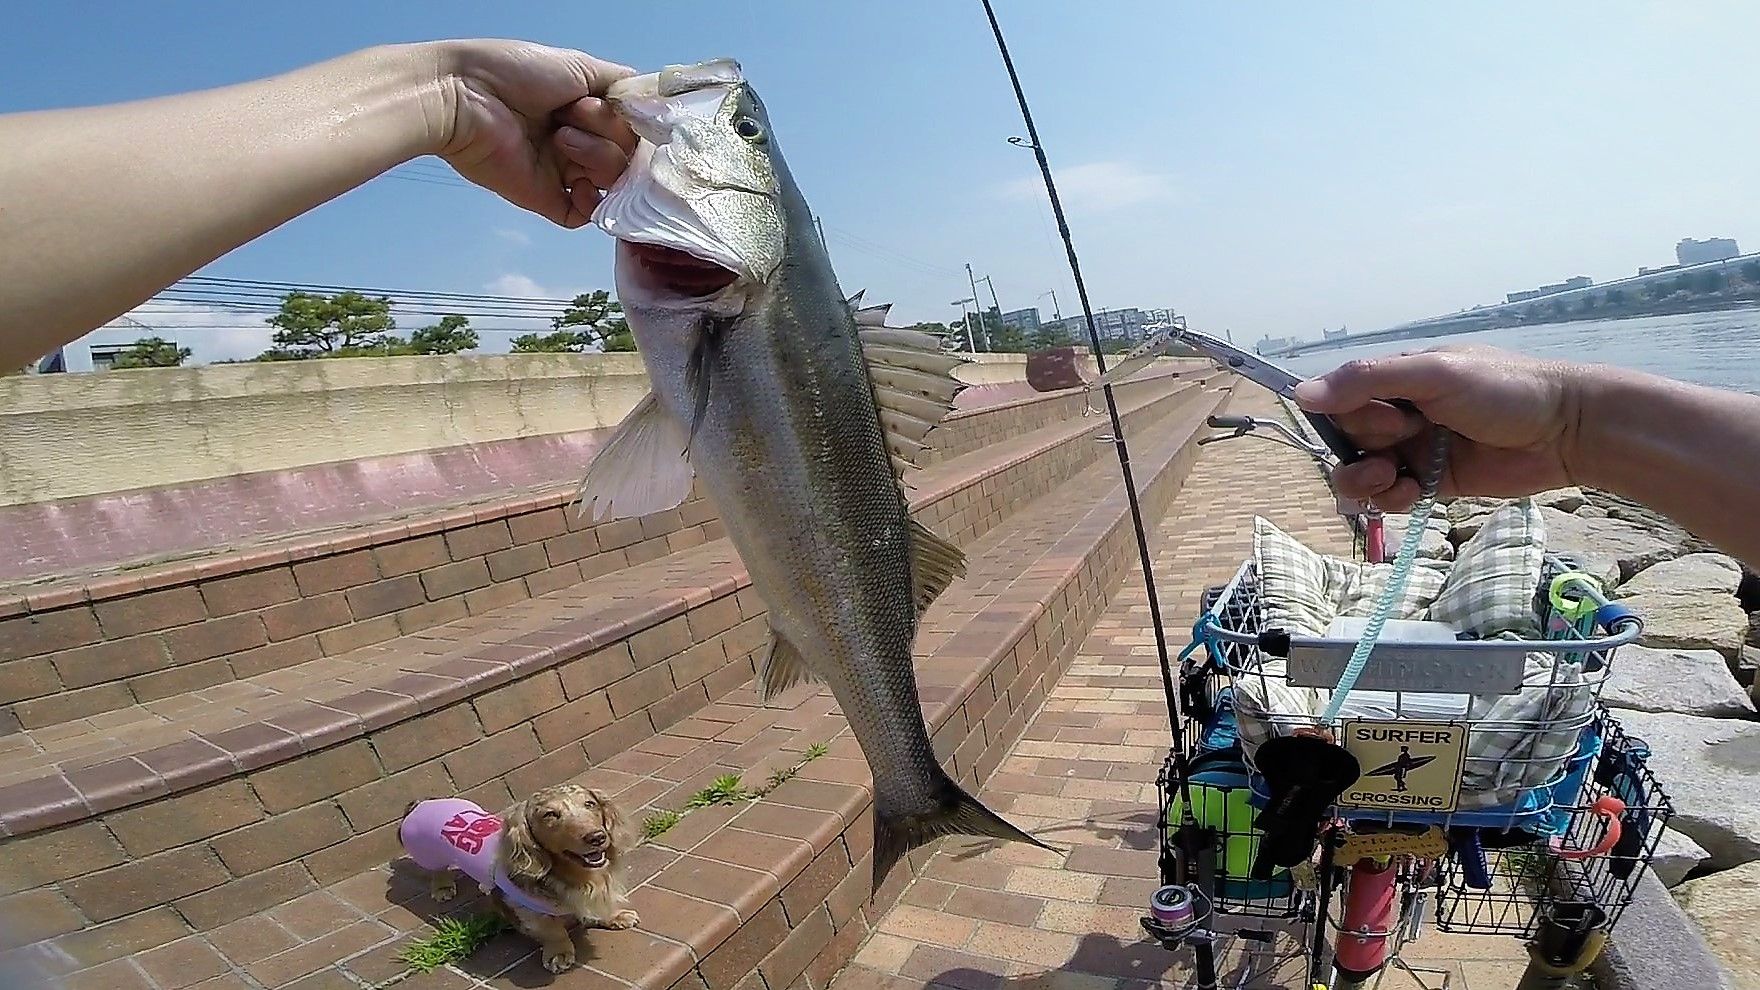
x=552 y=857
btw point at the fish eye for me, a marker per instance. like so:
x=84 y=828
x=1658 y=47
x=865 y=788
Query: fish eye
x=549 y=815
x=748 y=128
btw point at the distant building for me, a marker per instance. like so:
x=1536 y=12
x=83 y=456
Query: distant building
x=1022 y=319
x=1578 y=282
x=104 y=355
x=1651 y=271
x=1268 y=345
x=1574 y=282
x=1334 y=334
x=1691 y=252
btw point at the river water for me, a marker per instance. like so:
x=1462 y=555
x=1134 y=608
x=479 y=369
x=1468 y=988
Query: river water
x=1719 y=348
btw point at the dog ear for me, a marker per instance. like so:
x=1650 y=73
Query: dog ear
x=621 y=832
x=526 y=862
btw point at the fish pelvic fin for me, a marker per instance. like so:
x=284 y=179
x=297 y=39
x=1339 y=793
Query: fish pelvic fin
x=958 y=813
x=781 y=668
x=935 y=563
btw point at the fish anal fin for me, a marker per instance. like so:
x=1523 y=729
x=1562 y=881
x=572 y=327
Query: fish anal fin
x=958 y=813
x=935 y=563
x=781 y=668
x=642 y=468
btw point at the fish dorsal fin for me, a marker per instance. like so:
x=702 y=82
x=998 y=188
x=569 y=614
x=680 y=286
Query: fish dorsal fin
x=935 y=563
x=914 y=387
x=780 y=669
x=856 y=300
x=872 y=316
x=641 y=469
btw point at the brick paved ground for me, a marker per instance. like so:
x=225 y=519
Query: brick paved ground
x=1083 y=778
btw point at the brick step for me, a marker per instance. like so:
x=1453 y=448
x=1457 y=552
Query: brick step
x=174 y=837
x=647 y=610
x=775 y=893
x=72 y=651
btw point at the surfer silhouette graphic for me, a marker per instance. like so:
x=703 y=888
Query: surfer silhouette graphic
x=1400 y=767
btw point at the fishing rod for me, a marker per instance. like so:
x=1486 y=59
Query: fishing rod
x=1189 y=837
x=1118 y=441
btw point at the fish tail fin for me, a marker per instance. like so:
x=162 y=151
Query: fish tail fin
x=958 y=813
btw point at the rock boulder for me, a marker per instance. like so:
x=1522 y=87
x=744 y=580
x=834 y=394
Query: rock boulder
x=1710 y=769
x=1675 y=857
x=1711 y=572
x=1562 y=499
x=1608 y=549
x=1467 y=515
x=1433 y=545
x=1726 y=907
x=1691 y=620
x=1691 y=682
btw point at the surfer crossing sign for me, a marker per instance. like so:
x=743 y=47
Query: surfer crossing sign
x=1409 y=766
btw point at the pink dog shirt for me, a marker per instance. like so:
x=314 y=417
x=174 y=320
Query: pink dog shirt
x=454 y=833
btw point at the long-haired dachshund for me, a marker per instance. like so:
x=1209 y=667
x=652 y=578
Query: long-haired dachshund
x=553 y=857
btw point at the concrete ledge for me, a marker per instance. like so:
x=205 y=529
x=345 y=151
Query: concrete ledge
x=1655 y=946
x=73 y=435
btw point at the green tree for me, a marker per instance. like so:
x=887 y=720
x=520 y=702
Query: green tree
x=451 y=335
x=592 y=319
x=1751 y=272
x=314 y=325
x=151 y=352
x=1049 y=335
x=557 y=342
x=1615 y=298
x=1712 y=280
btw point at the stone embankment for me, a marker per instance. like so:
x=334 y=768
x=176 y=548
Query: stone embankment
x=1689 y=690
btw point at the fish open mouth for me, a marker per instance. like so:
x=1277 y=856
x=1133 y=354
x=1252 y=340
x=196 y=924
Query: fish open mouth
x=679 y=272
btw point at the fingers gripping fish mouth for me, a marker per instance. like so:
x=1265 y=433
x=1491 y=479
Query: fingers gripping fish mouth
x=698 y=208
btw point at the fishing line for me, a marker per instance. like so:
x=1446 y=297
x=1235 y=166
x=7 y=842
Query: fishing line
x=1192 y=845
x=1118 y=441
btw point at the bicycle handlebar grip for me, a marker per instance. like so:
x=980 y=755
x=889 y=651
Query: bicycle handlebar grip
x=1229 y=422
x=1610 y=809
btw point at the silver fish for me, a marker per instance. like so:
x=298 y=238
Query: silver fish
x=798 y=412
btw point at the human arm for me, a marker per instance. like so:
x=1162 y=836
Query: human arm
x=101 y=207
x=1524 y=426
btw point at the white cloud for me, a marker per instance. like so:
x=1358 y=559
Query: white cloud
x=1095 y=186
x=513 y=236
x=514 y=284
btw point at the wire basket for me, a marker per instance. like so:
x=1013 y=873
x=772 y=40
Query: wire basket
x=1528 y=881
x=1541 y=832
x=1522 y=737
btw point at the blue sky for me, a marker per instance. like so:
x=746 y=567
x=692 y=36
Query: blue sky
x=1271 y=168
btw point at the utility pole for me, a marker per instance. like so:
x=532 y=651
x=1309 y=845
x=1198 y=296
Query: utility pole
x=1056 y=311
x=821 y=229
x=993 y=301
x=975 y=304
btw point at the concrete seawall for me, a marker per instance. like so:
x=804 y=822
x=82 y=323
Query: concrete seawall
x=66 y=436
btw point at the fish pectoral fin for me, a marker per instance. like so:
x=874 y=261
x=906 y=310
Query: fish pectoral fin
x=781 y=668
x=935 y=563
x=641 y=469
x=913 y=382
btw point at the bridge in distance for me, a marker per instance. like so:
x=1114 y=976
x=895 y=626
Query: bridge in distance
x=1527 y=311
